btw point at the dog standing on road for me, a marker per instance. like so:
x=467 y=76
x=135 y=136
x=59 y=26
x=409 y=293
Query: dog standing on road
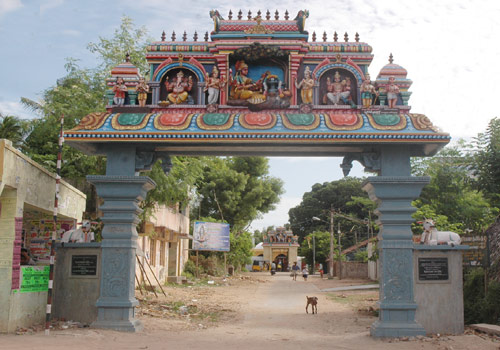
x=313 y=301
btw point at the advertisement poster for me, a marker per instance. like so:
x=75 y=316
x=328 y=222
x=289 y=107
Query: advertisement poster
x=211 y=236
x=34 y=279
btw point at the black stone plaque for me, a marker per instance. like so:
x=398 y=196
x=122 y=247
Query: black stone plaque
x=433 y=269
x=83 y=265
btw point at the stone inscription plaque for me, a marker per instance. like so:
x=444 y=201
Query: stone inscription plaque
x=83 y=265
x=433 y=269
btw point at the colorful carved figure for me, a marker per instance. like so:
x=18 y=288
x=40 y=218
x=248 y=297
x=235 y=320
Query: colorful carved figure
x=368 y=92
x=213 y=85
x=392 y=93
x=142 y=91
x=179 y=87
x=306 y=86
x=243 y=87
x=338 y=91
x=119 y=89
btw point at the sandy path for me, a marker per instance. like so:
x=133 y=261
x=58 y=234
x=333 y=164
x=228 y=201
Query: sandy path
x=270 y=316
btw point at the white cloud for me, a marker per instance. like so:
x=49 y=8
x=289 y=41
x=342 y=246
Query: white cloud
x=71 y=32
x=15 y=109
x=9 y=5
x=50 y=4
x=277 y=217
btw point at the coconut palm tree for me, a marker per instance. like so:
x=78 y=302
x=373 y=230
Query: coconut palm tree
x=13 y=129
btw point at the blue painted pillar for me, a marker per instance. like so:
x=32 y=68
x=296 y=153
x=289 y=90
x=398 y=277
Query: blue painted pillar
x=121 y=191
x=394 y=191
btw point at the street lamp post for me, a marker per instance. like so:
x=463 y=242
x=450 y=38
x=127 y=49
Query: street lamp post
x=340 y=254
x=330 y=265
x=314 y=253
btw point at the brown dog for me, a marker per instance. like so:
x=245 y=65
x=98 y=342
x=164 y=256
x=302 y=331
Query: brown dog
x=313 y=301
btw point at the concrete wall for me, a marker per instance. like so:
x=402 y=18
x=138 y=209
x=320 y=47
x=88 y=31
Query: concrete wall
x=440 y=303
x=75 y=296
x=351 y=269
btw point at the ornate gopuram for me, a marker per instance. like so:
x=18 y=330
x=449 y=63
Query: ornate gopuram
x=259 y=85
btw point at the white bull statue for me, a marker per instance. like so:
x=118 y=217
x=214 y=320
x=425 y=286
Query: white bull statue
x=432 y=236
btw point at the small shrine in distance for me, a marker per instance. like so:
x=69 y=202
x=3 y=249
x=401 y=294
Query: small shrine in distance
x=260 y=86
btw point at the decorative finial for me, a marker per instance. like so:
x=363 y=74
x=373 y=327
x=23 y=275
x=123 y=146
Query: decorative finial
x=173 y=35
x=314 y=36
x=259 y=13
x=391 y=58
x=324 y=36
x=184 y=36
x=230 y=15
x=240 y=14
x=356 y=37
x=276 y=15
x=127 y=57
x=268 y=15
x=206 y=36
x=163 y=36
x=195 y=36
x=249 y=16
x=335 y=37
x=346 y=37
x=286 y=15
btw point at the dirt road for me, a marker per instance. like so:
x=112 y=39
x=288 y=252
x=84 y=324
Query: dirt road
x=257 y=312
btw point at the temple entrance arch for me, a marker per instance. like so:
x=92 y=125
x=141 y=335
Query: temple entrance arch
x=267 y=121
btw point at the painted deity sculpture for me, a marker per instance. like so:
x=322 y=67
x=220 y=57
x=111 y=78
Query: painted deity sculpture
x=306 y=87
x=179 y=87
x=243 y=87
x=338 y=91
x=368 y=92
x=275 y=97
x=119 y=89
x=142 y=92
x=392 y=93
x=213 y=85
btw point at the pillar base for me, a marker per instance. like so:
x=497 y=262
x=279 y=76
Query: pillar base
x=396 y=329
x=122 y=326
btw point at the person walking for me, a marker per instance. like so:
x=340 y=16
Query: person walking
x=295 y=271
x=304 y=273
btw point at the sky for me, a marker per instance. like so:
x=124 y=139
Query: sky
x=449 y=48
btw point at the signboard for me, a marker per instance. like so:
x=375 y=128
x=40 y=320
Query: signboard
x=34 y=279
x=212 y=236
x=433 y=269
x=84 y=265
x=474 y=256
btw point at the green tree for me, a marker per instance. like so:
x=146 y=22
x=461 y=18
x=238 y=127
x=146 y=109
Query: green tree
x=320 y=245
x=450 y=196
x=486 y=162
x=237 y=190
x=345 y=195
x=240 y=249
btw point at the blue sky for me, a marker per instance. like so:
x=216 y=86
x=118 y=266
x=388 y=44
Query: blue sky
x=449 y=47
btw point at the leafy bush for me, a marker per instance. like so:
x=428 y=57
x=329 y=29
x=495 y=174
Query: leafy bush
x=473 y=296
x=189 y=268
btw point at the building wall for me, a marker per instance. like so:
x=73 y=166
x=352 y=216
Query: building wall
x=164 y=246
x=25 y=185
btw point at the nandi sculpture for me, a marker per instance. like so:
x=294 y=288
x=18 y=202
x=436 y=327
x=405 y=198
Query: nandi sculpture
x=432 y=236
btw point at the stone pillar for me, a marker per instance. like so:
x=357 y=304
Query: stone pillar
x=121 y=195
x=394 y=191
x=394 y=195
